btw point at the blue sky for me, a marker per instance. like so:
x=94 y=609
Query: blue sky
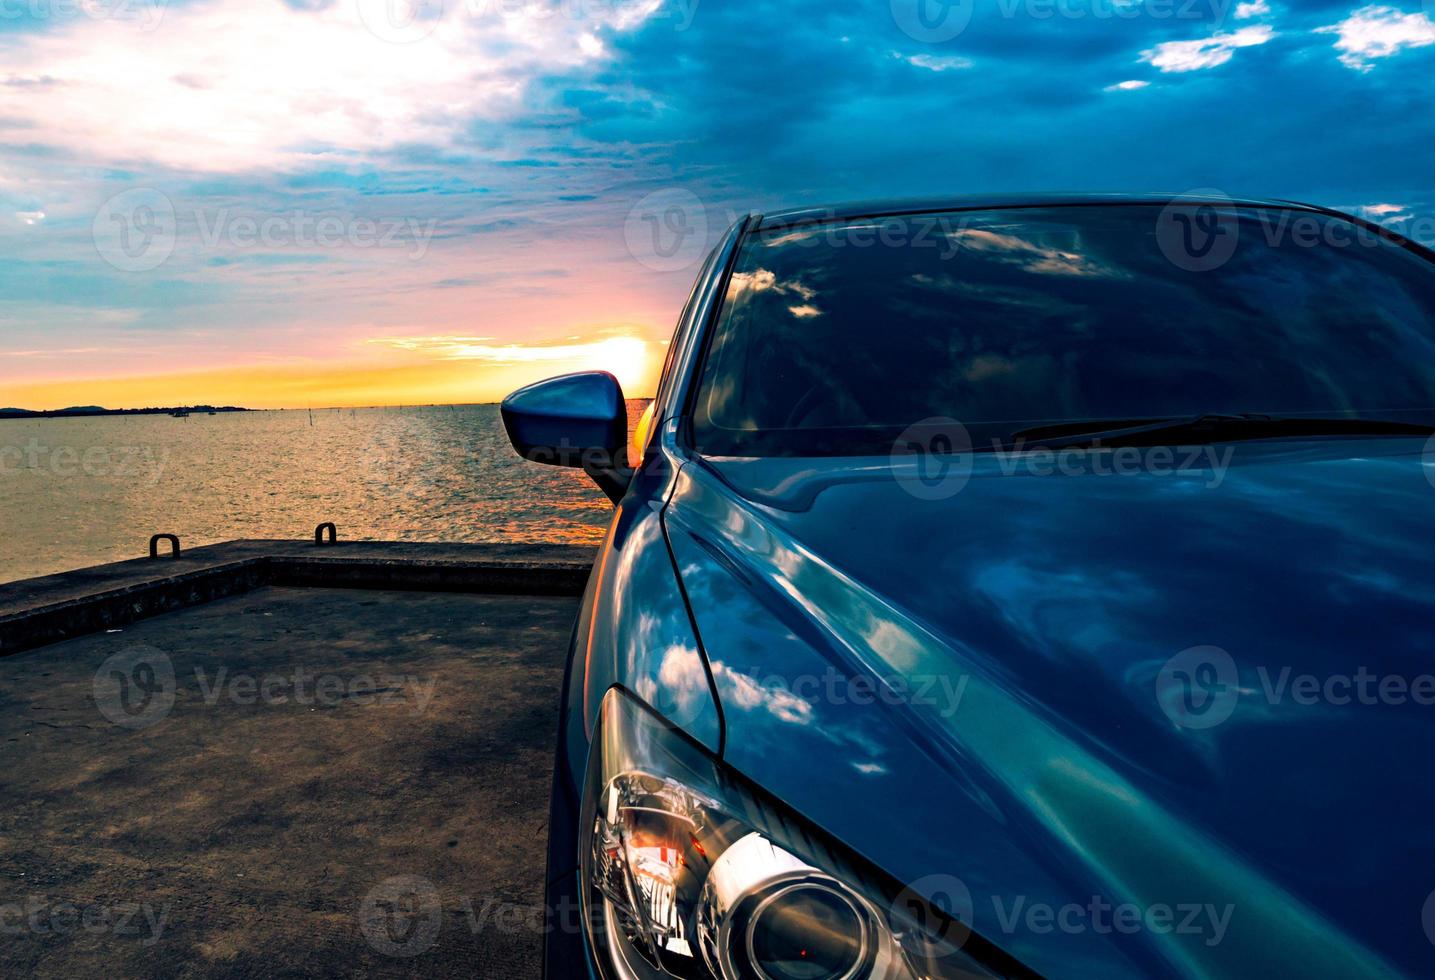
x=298 y=190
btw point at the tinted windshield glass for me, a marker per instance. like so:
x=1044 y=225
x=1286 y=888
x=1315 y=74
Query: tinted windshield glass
x=835 y=337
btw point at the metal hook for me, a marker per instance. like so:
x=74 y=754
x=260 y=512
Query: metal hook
x=173 y=542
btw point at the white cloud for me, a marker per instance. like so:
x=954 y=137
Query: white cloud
x=1379 y=32
x=1180 y=56
x=1128 y=86
x=480 y=348
x=30 y=217
x=1255 y=8
x=932 y=62
x=1382 y=210
x=230 y=85
x=1032 y=256
x=591 y=46
x=943 y=63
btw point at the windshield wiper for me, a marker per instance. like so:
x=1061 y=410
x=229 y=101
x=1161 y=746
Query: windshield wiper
x=1201 y=429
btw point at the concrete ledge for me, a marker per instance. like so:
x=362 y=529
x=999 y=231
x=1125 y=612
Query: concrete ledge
x=37 y=612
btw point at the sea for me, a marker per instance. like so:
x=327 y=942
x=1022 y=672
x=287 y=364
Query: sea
x=77 y=492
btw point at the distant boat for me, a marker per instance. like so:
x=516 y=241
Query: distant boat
x=182 y=413
x=213 y=413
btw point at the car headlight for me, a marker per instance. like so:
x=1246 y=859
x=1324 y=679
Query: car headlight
x=690 y=872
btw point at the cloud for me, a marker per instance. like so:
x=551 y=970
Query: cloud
x=482 y=349
x=627 y=358
x=1212 y=52
x=227 y=85
x=530 y=151
x=1255 y=8
x=762 y=280
x=1031 y=256
x=53 y=352
x=933 y=62
x=1379 y=32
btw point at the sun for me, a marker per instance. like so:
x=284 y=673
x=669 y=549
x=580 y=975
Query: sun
x=625 y=358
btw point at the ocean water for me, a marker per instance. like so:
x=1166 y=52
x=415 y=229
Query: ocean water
x=84 y=491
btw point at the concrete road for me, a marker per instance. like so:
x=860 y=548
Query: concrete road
x=289 y=782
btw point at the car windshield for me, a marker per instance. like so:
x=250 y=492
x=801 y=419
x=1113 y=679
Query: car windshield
x=835 y=337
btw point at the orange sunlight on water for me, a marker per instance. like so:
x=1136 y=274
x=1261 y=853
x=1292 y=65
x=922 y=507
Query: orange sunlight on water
x=83 y=491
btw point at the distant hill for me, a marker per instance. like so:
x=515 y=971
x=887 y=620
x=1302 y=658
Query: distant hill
x=92 y=410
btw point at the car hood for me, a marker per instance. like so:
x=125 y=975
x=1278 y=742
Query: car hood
x=1077 y=687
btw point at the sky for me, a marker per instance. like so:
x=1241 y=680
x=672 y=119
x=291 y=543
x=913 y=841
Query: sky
x=357 y=202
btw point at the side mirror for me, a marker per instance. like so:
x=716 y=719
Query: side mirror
x=576 y=420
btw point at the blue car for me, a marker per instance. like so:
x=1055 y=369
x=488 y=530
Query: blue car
x=1037 y=586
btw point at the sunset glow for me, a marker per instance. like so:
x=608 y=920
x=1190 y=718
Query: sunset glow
x=398 y=378
x=334 y=202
